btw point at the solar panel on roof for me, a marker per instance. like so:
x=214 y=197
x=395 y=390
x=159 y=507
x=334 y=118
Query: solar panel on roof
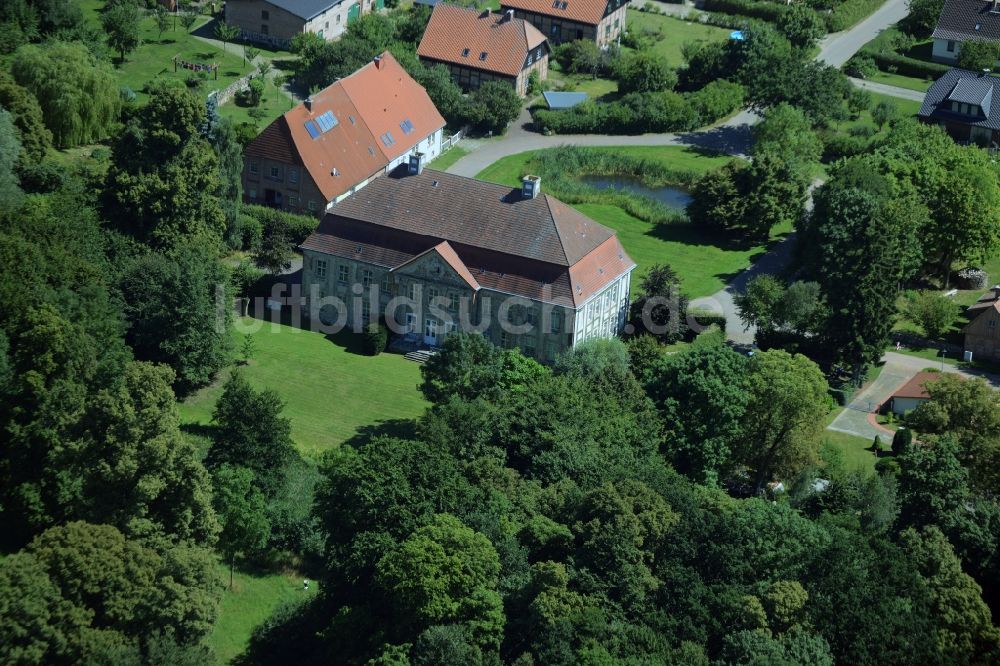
x=312 y=129
x=327 y=121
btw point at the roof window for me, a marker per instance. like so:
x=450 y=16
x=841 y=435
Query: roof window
x=482 y=56
x=465 y=53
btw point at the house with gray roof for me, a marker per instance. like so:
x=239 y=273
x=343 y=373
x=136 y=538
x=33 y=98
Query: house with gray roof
x=966 y=105
x=276 y=22
x=961 y=21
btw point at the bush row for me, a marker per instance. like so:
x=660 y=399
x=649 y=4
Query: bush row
x=766 y=11
x=905 y=65
x=850 y=12
x=638 y=113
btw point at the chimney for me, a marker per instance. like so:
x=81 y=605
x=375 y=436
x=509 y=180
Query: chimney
x=509 y=15
x=486 y=14
x=416 y=165
x=308 y=104
x=378 y=62
x=531 y=186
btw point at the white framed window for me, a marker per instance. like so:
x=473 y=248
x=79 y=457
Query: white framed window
x=506 y=341
x=321 y=268
x=293 y=201
x=453 y=301
x=366 y=277
x=413 y=289
x=293 y=175
x=343 y=274
x=254 y=166
x=366 y=310
x=432 y=293
x=557 y=322
x=313 y=206
x=386 y=284
x=550 y=350
x=276 y=173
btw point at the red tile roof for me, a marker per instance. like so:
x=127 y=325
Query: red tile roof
x=583 y=11
x=538 y=248
x=460 y=36
x=376 y=99
x=916 y=387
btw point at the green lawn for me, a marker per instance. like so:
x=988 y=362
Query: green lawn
x=673 y=33
x=443 y=161
x=274 y=104
x=855 y=450
x=900 y=81
x=251 y=601
x=704 y=265
x=330 y=390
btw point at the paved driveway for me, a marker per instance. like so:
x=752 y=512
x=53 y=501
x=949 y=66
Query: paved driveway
x=898 y=369
x=837 y=48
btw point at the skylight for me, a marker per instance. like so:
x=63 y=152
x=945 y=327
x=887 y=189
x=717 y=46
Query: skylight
x=406 y=126
x=465 y=53
x=387 y=139
x=482 y=56
x=312 y=129
x=327 y=121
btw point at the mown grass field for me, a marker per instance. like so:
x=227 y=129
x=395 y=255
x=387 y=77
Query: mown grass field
x=856 y=453
x=252 y=600
x=704 y=261
x=443 y=161
x=330 y=389
x=674 y=33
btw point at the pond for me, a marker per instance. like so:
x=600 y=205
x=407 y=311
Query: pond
x=670 y=196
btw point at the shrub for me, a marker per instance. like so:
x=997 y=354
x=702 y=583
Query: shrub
x=850 y=12
x=932 y=312
x=765 y=11
x=861 y=66
x=701 y=320
x=837 y=145
x=717 y=100
x=297 y=227
x=907 y=66
x=972 y=278
x=901 y=441
x=977 y=56
x=644 y=72
x=376 y=337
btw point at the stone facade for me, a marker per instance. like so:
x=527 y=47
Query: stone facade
x=263 y=22
x=429 y=300
x=558 y=29
x=981 y=336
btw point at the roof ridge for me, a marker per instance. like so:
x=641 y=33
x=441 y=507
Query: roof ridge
x=555 y=225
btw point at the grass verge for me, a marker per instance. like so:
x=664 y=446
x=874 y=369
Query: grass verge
x=446 y=159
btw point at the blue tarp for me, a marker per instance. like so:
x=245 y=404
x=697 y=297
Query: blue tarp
x=564 y=100
x=736 y=35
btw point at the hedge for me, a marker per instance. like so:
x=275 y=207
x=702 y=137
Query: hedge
x=707 y=319
x=638 y=113
x=850 y=12
x=766 y=11
x=298 y=226
x=906 y=65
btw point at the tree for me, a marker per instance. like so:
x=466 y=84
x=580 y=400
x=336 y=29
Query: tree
x=230 y=153
x=966 y=631
x=923 y=16
x=26 y=114
x=78 y=96
x=644 y=72
x=493 y=106
x=760 y=302
x=901 y=441
x=661 y=310
x=858 y=100
x=931 y=311
x=226 y=33
x=10 y=150
x=801 y=24
x=137 y=471
x=469 y=366
x=188 y=19
x=273 y=252
x=594 y=357
x=787 y=403
x=162 y=19
x=862 y=245
x=120 y=20
x=978 y=55
x=177 y=314
x=241 y=508
x=702 y=395
x=884 y=113
x=250 y=53
x=786 y=132
x=445 y=573
x=581 y=56
x=251 y=432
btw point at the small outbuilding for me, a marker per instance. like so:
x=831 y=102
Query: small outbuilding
x=913 y=393
x=564 y=100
